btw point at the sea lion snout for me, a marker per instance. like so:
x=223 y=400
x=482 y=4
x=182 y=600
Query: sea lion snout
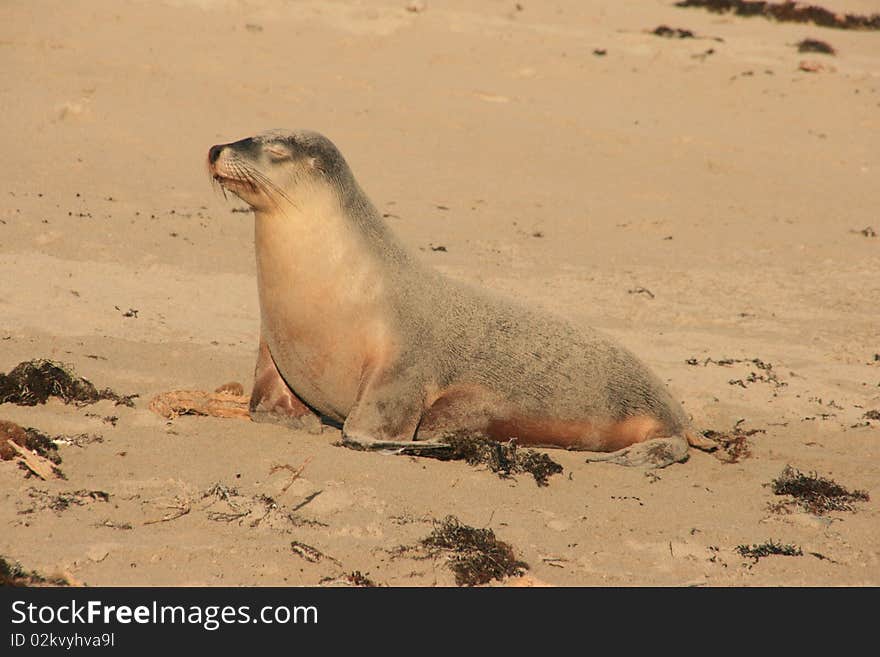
x=247 y=147
x=214 y=153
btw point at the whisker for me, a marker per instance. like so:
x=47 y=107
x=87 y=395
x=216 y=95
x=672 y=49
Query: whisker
x=263 y=182
x=257 y=180
x=275 y=188
x=214 y=183
x=247 y=174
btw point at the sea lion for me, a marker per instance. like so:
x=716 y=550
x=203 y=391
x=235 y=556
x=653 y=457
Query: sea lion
x=358 y=331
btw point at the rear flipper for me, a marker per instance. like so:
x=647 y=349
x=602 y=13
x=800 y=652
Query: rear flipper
x=273 y=401
x=657 y=452
x=651 y=454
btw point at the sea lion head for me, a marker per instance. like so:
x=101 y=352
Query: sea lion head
x=279 y=167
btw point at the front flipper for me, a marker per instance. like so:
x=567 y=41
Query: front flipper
x=273 y=401
x=386 y=414
x=410 y=447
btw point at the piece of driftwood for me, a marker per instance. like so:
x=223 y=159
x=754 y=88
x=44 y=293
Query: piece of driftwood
x=39 y=465
x=227 y=401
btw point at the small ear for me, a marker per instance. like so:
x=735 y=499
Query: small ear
x=314 y=164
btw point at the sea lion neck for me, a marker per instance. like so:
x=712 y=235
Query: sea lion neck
x=317 y=253
x=304 y=240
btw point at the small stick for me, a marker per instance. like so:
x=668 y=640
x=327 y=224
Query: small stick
x=296 y=472
x=182 y=509
x=310 y=554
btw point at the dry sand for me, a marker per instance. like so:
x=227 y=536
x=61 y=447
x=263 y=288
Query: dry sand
x=730 y=185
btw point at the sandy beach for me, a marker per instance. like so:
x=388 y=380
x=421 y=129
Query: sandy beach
x=711 y=202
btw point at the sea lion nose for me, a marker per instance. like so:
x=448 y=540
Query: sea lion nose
x=214 y=153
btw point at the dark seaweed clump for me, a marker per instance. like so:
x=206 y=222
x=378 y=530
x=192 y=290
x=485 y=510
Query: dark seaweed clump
x=29 y=439
x=357 y=578
x=475 y=555
x=767 y=549
x=816 y=494
x=64 y=501
x=14 y=575
x=788 y=11
x=504 y=459
x=734 y=443
x=32 y=382
x=814 y=45
x=672 y=32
